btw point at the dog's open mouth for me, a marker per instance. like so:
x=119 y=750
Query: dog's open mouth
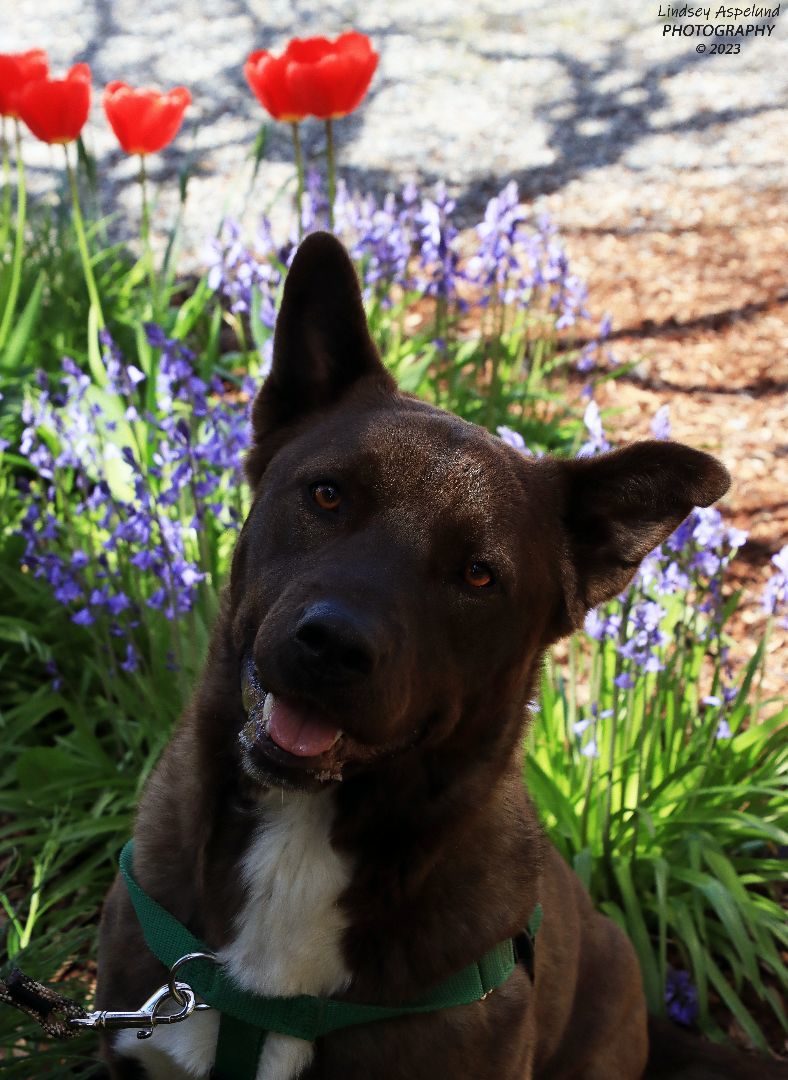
x=290 y=741
x=287 y=741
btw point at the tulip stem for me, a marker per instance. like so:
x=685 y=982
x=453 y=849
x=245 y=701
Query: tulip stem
x=6 y=225
x=82 y=243
x=19 y=242
x=299 y=163
x=332 y=172
x=147 y=252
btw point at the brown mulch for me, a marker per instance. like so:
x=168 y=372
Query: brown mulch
x=695 y=281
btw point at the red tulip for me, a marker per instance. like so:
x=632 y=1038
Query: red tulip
x=145 y=121
x=56 y=110
x=267 y=77
x=313 y=77
x=16 y=70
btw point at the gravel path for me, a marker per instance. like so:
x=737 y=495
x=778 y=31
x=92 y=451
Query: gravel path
x=587 y=94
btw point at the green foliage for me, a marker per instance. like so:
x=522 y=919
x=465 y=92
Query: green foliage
x=675 y=829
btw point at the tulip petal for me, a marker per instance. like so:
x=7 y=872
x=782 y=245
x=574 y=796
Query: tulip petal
x=308 y=50
x=267 y=76
x=56 y=110
x=16 y=71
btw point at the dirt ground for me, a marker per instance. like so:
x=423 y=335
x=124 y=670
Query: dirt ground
x=695 y=281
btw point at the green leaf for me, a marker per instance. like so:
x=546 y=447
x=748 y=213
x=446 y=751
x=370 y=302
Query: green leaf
x=258 y=149
x=44 y=768
x=636 y=928
x=736 y=1006
x=12 y=354
x=87 y=164
x=95 y=361
x=412 y=374
x=191 y=310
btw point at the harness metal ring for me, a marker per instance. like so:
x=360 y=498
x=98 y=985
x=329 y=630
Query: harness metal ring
x=172 y=984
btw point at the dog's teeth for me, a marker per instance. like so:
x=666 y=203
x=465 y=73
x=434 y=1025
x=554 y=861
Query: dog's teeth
x=338 y=736
x=268 y=708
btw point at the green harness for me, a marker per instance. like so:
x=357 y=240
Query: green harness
x=246 y=1018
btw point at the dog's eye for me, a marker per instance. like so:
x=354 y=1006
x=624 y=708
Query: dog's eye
x=326 y=496
x=478 y=574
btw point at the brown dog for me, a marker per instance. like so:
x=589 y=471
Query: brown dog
x=394 y=587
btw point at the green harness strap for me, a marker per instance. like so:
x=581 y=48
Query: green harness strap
x=250 y=1016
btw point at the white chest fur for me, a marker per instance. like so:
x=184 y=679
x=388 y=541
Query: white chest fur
x=288 y=938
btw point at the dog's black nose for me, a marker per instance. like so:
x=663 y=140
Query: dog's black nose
x=335 y=640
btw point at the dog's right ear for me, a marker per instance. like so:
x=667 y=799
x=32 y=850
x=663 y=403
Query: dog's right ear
x=322 y=346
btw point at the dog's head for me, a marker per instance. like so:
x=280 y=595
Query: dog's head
x=401 y=570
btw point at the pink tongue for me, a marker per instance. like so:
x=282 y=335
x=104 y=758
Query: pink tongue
x=299 y=733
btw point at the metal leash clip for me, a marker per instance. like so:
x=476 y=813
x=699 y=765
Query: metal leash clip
x=149 y=1016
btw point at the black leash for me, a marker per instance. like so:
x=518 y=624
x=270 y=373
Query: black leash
x=49 y=1009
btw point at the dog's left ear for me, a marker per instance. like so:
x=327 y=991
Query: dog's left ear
x=322 y=345
x=619 y=506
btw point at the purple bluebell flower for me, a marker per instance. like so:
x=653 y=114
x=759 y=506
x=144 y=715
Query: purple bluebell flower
x=775 y=595
x=496 y=266
x=594 y=354
x=237 y=272
x=596 y=443
x=602 y=625
x=643 y=637
x=709 y=530
x=117 y=602
x=380 y=238
x=439 y=259
x=597 y=715
x=692 y=561
x=314 y=207
x=660 y=424
x=130 y=663
x=587 y=359
x=595 y=625
x=681 y=997
x=50 y=667
x=515 y=439
x=68 y=592
x=681 y=537
x=590 y=748
x=624 y=680
x=569 y=302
